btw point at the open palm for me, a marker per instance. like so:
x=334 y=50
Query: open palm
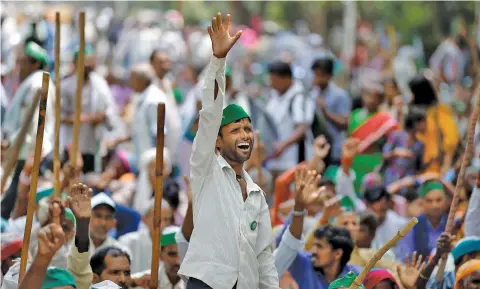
x=80 y=201
x=411 y=271
x=219 y=32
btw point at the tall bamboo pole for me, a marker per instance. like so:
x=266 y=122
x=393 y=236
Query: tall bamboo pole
x=56 y=153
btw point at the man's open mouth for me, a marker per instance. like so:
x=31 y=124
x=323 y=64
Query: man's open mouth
x=244 y=146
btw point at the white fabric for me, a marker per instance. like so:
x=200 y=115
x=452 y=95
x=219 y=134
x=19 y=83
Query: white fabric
x=163 y=281
x=10 y=280
x=17 y=112
x=107 y=243
x=388 y=229
x=144 y=126
x=107 y=284
x=102 y=199
x=278 y=107
x=140 y=245
x=223 y=248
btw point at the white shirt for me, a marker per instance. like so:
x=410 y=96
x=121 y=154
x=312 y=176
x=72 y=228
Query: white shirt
x=224 y=249
x=109 y=242
x=287 y=111
x=163 y=281
x=140 y=245
x=388 y=229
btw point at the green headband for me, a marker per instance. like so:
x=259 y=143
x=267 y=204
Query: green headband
x=345 y=282
x=44 y=193
x=56 y=277
x=168 y=236
x=232 y=113
x=36 y=52
x=428 y=187
x=347 y=204
x=88 y=51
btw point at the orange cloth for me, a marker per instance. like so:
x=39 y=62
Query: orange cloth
x=466 y=270
x=442 y=115
x=128 y=177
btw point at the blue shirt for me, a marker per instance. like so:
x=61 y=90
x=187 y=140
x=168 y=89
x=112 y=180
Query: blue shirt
x=337 y=101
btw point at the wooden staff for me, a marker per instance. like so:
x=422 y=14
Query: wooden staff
x=78 y=99
x=36 y=166
x=157 y=209
x=258 y=146
x=379 y=254
x=56 y=153
x=14 y=150
x=461 y=176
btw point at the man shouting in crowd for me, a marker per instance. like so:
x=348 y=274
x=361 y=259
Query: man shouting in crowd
x=230 y=244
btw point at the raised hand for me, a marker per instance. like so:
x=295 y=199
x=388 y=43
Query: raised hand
x=79 y=201
x=444 y=244
x=306 y=185
x=350 y=148
x=409 y=273
x=51 y=237
x=219 y=32
x=332 y=208
x=321 y=147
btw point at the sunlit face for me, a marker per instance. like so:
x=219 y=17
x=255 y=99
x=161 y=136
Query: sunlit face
x=279 y=83
x=371 y=100
x=137 y=83
x=385 y=284
x=351 y=222
x=171 y=259
x=102 y=221
x=235 y=142
x=434 y=204
x=161 y=64
x=323 y=254
x=166 y=220
x=379 y=208
x=117 y=270
x=364 y=237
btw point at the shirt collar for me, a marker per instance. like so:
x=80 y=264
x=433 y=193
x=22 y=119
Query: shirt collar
x=251 y=186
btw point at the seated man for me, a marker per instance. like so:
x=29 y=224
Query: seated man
x=111 y=263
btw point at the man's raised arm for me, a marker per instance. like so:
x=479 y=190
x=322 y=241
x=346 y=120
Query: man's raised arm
x=212 y=97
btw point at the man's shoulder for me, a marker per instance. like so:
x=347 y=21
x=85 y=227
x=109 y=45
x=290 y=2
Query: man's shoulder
x=337 y=91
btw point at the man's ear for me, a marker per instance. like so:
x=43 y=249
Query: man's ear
x=96 y=279
x=219 y=142
x=338 y=254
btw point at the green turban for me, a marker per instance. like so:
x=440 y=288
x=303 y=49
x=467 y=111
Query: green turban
x=331 y=173
x=345 y=282
x=232 y=113
x=57 y=277
x=88 y=51
x=347 y=204
x=168 y=236
x=428 y=187
x=36 y=52
x=43 y=193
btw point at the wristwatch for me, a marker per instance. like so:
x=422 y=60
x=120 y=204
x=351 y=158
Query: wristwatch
x=299 y=213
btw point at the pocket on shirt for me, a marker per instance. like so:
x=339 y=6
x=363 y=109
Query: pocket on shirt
x=252 y=219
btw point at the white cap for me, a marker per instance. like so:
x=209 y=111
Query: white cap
x=107 y=284
x=102 y=199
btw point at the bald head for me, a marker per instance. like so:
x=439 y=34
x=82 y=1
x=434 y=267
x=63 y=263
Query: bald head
x=141 y=76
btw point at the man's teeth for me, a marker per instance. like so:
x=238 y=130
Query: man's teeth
x=243 y=145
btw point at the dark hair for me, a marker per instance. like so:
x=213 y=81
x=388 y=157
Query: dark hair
x=326 y=182
x=154 y=52
x=375 y=193
x=369 y=220
x=280 y=68
x=422 y=90
x=97 y=262
x=338 y=238
x=415 y=114
x=325 y=64
x=171 y=191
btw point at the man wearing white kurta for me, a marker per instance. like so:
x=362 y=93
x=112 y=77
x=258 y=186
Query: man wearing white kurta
x=230 y=244
x=33 y=61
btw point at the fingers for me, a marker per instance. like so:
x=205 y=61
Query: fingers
x=210 y=31
x=419 y=261
x=187 y=181
x=56 y=212
x=58 y=236
x=219 y=21
x=214 y=25
x=407 y=260
x=227 y=21
x=414 y=258
x=237 y=36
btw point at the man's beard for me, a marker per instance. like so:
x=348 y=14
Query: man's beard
x=233 y=156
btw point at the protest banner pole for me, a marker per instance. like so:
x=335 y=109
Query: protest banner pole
x=56 y=152
x=157 y=210
x=36 y=166
x=379 y=254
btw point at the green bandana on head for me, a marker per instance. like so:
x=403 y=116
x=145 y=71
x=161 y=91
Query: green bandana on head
x=429 y=187
x=232 y=113
x=88 y=51
x=347 y=204
x=345 y=282
x=57 y=277
x=168 y=236
x=43 y=193
x=36 y=52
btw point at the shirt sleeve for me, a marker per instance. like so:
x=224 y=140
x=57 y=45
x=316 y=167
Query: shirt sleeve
x=472 y=220
x=300 y=109
x=79 y=266
x=287 y=251
x=210 y=118
x=344 y=104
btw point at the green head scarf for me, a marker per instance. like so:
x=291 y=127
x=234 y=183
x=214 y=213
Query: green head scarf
x=88 y=51
x=430 y=186
x=232 y=113
x=345 y=282
x=36 y=52
x=57 y=277
x=168 y=236
x=331 y=173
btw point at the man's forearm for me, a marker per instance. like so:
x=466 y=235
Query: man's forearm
x=82 y=240
x=296 y=136
x=296 y=227
x=340 y=121
x=187 y=226
x=427 y=272
x=33 y=279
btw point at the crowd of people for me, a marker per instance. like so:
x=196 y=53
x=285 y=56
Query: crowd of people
x=280 y=183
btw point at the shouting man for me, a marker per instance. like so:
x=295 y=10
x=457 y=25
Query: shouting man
x=230 y=244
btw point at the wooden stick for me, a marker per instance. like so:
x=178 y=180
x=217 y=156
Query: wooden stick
x=56 y=153
x=461 y=176
x=36 y=167
x=258 y=146
x=78 y=99
x=14 y=150
x=379 y=254
x=157 y=210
